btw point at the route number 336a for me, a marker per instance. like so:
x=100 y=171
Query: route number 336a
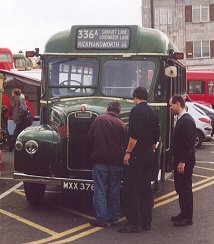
x=85 y=34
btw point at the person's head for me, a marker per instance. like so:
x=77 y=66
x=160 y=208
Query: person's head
x=176 y=104
x=114 y=107
x=140 y=94
x=16 y=92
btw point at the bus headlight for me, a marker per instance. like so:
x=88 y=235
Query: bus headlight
x=19 y=146
x=31 y=147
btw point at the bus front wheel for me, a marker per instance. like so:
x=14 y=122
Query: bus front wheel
x=34 y=193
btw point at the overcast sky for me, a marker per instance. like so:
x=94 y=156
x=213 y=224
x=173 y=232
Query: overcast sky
x=26 y=24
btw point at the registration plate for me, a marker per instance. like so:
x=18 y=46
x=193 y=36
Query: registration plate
x=77 y=186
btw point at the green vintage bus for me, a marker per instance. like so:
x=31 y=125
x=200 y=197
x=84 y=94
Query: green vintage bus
x=83 y=69
x=21 y=62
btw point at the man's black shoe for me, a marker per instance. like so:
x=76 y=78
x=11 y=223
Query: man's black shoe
x=177 y=217
x=96 y=223
x=183 y=222
x=128 y=228
x=146 y=227
x=113 y=222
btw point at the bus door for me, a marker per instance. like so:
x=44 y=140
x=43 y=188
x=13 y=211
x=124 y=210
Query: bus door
x=176 y=85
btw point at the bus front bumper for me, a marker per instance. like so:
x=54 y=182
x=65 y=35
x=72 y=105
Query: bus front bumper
x=47 y=179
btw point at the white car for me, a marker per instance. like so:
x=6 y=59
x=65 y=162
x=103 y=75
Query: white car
x=202 y=121
x=208 y=111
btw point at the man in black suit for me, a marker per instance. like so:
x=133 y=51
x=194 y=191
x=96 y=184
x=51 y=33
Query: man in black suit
x=184 y=159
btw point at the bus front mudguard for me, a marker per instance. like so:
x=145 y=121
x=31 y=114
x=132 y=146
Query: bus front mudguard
x=36 y=149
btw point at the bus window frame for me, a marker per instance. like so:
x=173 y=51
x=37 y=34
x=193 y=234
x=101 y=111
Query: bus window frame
x=155 y=60
x=161 y=78
x=195 y=82
x=209 y=85
x=8 y=56
x=47 y=87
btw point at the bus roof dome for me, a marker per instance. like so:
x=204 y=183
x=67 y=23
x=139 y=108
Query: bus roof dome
x=111 y=39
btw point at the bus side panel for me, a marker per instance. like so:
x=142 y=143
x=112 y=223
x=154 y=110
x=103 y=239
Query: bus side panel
x=200 y=86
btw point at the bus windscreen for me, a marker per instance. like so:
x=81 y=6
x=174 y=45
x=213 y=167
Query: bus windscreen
x=72 y=77
x=122 y=76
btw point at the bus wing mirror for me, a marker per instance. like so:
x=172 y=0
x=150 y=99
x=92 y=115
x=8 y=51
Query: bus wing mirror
x=171 y=71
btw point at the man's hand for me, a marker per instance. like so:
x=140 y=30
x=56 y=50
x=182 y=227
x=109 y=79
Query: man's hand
x=126 y=159
x=153 y=147
x=180 y=167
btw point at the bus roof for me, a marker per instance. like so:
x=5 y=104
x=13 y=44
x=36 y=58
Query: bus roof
x=200 y=71
x=200 y=74
x=18 y=55
x=111 y=39
x=5 y=50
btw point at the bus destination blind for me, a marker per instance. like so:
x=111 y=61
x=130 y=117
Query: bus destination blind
x=103 y=38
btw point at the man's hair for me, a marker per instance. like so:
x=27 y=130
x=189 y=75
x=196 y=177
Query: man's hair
x=140 y=93
x=178 y=98
x=17 y=91
x=114 y=107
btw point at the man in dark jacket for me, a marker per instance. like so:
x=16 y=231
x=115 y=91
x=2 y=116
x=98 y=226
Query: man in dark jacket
x=139 y=159
x=184 y=159
x=108 y=135
x=19 y=110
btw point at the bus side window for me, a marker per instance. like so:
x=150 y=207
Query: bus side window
x=160 y=88
x=211 y=87
x=196 y=87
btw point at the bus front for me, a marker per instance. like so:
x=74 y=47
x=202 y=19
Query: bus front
x=83 y=70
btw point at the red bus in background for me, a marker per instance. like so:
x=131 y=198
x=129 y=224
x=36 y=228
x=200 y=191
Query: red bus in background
x=200 y=86
x=6 y=59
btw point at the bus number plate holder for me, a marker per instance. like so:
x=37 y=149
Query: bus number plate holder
x=77 y=186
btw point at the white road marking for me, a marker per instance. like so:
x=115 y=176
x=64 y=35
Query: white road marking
x=204 y=162
x=4 y=194
x=6 y=178
x=208 y=143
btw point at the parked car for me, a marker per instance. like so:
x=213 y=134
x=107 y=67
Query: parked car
x=203 y=123
x=209 y=112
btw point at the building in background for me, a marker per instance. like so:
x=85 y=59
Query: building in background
x=188 y=23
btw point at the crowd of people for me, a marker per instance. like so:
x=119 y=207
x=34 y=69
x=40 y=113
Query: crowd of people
x=20 y=110
x=131 y=151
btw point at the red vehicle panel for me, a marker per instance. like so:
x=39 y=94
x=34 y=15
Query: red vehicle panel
x=200 y=86
x=6 y=59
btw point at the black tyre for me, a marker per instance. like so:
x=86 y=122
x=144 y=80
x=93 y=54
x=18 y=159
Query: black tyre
x=34 y=193
x=199 y=139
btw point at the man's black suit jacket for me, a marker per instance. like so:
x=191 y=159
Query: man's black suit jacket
x=184 y=140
